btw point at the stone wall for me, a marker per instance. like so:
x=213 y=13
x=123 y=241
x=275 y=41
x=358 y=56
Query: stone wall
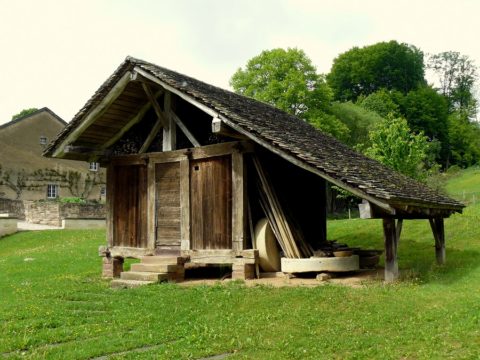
x=14 y=208
x=8 y=225
x=52 y=212
x=82 y=211
x=43 y=212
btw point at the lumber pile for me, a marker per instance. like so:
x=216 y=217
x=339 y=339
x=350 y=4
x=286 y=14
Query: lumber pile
x=289 y=237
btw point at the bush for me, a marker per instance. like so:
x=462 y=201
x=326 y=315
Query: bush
x=73 y=200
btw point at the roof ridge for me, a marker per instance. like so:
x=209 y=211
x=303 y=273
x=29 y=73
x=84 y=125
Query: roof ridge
x=45 y=108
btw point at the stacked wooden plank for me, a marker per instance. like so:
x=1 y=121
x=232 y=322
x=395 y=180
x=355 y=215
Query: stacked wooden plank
x=289 y=237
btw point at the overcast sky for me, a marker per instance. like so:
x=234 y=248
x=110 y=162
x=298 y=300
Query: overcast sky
x=57 y=53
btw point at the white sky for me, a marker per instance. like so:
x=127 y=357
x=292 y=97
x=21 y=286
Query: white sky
x=57 y=53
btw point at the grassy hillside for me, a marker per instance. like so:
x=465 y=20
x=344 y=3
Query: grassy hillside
x=467 y=181
x=54 y=305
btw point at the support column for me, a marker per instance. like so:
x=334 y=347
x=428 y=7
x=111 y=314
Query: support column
x=438 y=230
x=238 y=202
x=185 y=244
x=151 y=211
x=391 y=244
x=112 y=267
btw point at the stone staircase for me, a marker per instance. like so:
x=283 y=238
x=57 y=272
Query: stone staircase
x=152 y=269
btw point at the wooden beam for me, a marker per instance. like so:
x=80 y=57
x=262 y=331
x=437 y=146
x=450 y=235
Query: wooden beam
x=185 y=205
x=438 y=229
x=182 y=95
x=151 y=211
x=391 y=242
x=239 y=204
x=153 y=100
x=151 y=136
x=399 y=229
x=220 y=128
x=170 y=130
x=134 y=120
x=95 y=113
x=110 y=205
x=184 y=129
x=86 y=150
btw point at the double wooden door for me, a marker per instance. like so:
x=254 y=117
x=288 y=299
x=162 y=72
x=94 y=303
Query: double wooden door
x=210 y=204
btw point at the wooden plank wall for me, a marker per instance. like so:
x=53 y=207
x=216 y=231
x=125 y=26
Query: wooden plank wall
x=211 y=203
x=130 y=206
x=167 y=204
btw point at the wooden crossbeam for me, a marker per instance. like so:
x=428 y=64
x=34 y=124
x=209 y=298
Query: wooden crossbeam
x=184 y=129
x=151 y=136
x=134 y=120
x=95 y=113
x=153 y=100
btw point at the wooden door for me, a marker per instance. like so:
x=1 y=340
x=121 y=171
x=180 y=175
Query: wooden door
x=167 y=205
x=211 y=203
x=130 y=206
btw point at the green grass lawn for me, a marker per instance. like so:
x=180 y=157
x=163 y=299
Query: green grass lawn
x=53 y=304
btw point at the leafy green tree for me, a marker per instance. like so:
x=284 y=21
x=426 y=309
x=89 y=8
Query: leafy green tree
x=24 y=112
x=285 y=79
x=396 y=146
x=358 y=120
x=464 y=138
x=388 y=65
x=329 y=124
x=456 y=75
x=382 y=102
x=427 y=111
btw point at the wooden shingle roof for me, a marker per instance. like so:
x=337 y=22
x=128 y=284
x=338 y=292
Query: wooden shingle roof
x=288 y=136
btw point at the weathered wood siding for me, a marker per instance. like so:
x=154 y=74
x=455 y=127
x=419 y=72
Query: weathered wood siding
x=211 y=203
x=167 y=204
x=130 y=206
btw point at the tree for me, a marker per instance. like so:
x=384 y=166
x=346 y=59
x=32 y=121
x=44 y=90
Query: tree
x=24 y=112
x=381 y=101
x=456 y=75
x=427 y=111
x=329 y=124
x=464 y=138
x=358 y=120
x=388 y=65
x=285 y=79
x=396 y=146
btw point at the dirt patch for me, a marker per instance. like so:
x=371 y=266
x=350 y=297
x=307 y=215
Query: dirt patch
x=355 y=280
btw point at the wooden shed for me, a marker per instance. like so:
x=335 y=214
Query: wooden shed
x=192 y=167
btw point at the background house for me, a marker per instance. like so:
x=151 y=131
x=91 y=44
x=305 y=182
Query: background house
x=26 y=175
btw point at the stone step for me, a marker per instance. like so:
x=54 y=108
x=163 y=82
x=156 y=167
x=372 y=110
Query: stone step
x=144 y=276
x=163 y=259
x=121 y=283
x=156 y=268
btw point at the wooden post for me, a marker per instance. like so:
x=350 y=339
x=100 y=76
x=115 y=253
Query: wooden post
x=110 y=205
x=391 y=241
x=151 y=211
x=238 y=201
x=170 y=131
x=185 y=205
x=438 y=230
x=399 y=229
